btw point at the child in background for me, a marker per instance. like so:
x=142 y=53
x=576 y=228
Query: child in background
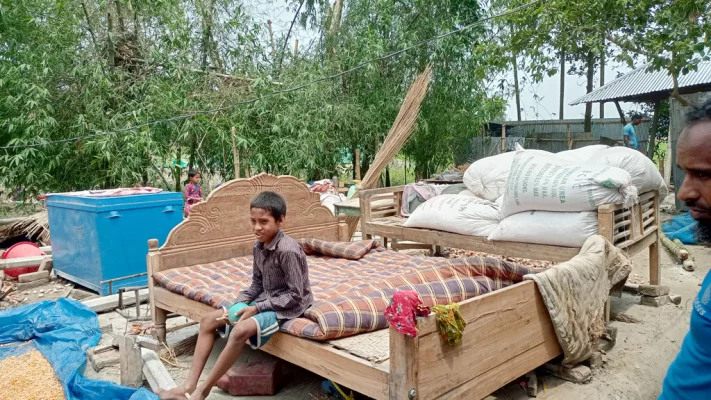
x=279 y=291
x=193 y=192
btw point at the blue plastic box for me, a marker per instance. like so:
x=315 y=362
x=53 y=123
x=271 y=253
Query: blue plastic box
x=97 y=239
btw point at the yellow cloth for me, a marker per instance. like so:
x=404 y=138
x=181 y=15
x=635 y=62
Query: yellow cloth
x=450 y=322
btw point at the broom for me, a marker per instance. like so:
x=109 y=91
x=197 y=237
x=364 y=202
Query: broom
x=397 y=136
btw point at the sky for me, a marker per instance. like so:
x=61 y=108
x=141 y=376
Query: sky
x=538 y=102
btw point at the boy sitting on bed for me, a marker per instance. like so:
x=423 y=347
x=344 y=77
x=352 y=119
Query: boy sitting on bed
x=280 y=291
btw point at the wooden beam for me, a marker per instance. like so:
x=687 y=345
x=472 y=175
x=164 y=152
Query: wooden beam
x=503 y=138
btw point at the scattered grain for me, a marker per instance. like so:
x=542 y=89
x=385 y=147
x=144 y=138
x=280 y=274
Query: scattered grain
x=29 y=376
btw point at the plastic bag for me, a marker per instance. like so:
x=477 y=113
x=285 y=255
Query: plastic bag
x=681 y=227
x=63 y=331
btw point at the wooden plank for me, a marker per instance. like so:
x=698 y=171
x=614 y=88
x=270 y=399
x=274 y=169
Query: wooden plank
x=341 y=367
x=403 y=366
x=109 y=303
x=338 y=366
x=130 y=362
x=481 y=386
x=510 y=249
x=500 y=326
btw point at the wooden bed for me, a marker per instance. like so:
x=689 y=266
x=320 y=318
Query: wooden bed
x=633 y=230
x=508 y=333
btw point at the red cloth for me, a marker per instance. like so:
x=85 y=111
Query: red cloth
x=403 y=309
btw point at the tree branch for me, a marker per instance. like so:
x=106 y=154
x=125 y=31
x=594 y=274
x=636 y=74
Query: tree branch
x=286 y=40
x=627 y=45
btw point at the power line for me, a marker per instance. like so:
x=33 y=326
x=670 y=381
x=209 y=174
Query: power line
x=279 y=92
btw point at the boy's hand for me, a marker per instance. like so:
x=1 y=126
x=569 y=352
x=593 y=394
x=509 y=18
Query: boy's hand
x=246 y=313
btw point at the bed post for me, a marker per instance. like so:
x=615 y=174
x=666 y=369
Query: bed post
x=605 y=227
x=403 y=367
x=343 y=229
x=159 y=315
x=655 y=273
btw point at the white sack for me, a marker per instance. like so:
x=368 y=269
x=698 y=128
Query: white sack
x=644 y=173
x=457 y=214
x=486 y=177
x=547 y=183
x=582 y=154
x=329 y=200
x=467 y=193
x=568 y=229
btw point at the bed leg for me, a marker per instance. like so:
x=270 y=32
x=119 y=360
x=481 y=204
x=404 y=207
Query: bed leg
x=655 y=274
x=160 y=316
x=402 y=378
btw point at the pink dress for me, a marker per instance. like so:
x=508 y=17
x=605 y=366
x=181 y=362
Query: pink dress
x=193 y=195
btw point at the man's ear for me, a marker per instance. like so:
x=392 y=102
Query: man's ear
x=281 y=221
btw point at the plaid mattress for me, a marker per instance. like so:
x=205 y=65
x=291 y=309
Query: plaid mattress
x=350 y=295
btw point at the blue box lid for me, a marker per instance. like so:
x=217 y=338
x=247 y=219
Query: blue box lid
x=103 y=203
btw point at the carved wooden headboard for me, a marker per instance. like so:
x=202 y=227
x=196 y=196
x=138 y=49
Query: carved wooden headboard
x=219 y=228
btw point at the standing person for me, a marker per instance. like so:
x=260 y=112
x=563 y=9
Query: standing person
x=280 y=291
x=193 y=191
x=689 y=375
x=629 y=133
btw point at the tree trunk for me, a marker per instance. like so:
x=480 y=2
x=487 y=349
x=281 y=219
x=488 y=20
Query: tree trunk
x=622 y=114
x=591 y=77
x=336 y=19
x=206 y=33
x=109 y=40
x=193 y=153
x=516 y=88
x=119 y=15
x=653 y=130
x=675 y=80
x=177 y=170
x=561 y=105
x=602 y=79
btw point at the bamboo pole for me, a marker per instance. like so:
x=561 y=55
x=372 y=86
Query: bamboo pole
x=357 y=164
x=296 y=49
x=235 y=153
x=271 y=39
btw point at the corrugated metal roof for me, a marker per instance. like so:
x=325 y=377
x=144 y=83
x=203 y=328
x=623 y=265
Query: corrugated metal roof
x=640 y=82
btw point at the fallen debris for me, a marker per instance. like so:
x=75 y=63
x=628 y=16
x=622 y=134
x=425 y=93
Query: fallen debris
x=156 y=373
x=595 y=360
x=33 y=276
x=675 y=299
x=653 y=290
x=102 y=360
x=29 y=376
x=34 y=284
x=46 y=265
x=576 y=374
x=657 y=301
x=608 y=339
x=531 y=384
x=628 y=319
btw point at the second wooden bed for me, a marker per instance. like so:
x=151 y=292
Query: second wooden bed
x=633 y=230
x=508 y=333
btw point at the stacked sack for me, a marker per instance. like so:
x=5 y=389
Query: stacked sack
x=552 y=198
x=456 y=213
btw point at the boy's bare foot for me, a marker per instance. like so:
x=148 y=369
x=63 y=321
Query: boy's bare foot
x=177 y=393
x=200 y=393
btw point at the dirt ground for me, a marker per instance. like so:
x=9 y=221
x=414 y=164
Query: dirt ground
x=632 y=370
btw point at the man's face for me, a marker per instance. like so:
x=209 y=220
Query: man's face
x=636 y=122
x=693 y=155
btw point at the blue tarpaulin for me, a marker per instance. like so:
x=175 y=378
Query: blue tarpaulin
x=681 y=227
x=62 y=331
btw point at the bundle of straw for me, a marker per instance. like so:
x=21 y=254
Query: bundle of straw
x=397 y=136
x=36 y=227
